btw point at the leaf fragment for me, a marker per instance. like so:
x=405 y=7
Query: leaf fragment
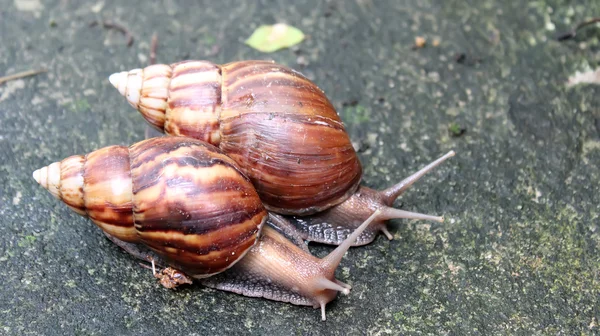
x=270 y=38
x=589 y=76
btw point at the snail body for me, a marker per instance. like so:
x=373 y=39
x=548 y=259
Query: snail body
x=190 y=207
x=283 y=132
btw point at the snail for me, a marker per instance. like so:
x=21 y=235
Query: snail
x=182 y=203
x=282 y=131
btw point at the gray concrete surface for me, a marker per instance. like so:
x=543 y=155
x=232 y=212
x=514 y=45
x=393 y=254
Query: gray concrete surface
x=519 y=251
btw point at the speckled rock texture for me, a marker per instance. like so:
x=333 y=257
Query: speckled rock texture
x=517 y=255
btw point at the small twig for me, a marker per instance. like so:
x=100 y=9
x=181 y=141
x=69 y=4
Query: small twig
x=145 y=266
x=122 y=29
x=153 y=267
x=116 y=26
x=21 y=75
x=571 y=34
x=153 y=46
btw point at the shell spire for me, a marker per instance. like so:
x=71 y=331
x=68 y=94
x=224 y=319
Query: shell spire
x=146 y=90
x=64 y=180
x=178 y=99
x=129 y=85
x=97 y=185
x=49 y=178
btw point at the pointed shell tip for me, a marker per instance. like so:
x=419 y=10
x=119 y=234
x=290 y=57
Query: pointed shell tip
x=36 y=176
x=115 y=78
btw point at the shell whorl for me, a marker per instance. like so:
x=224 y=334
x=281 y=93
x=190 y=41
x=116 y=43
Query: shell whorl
x=214 y=213
x=181 y=197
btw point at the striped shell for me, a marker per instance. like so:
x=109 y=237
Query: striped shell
x=182 y=198
x=275 y=123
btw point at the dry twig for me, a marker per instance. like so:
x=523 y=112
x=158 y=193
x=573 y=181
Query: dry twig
x=21 y=75
x=116 y=26
x=153 y=46
x=571 y=34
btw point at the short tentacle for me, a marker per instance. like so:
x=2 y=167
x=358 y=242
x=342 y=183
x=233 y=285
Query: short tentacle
x=345 y=285
x=328 y=284
x=386 y=232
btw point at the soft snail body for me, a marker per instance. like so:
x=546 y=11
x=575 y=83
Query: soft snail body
x=282 y=131
x=188 y=206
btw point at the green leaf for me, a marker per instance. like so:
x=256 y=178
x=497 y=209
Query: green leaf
x=272 y=38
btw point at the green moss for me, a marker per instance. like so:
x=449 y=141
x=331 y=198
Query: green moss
x=26 y=241
x=399 y=316
x=80 y=105
x=209 y=40
x=456 y=130
x=70 y=283
x=356 y=114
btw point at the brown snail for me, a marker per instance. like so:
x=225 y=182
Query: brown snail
x=283 y=132
x=182 y=203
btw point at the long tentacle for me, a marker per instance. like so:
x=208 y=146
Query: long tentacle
x=390 y=194
x=333 y=259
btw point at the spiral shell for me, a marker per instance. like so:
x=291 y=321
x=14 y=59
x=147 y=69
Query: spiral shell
x=275 y=123
x=184 y=199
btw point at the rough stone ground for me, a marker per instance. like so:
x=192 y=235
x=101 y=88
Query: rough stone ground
x=519 y=253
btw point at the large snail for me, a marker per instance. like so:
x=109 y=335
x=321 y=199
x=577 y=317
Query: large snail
x=283 y=132
x=185 y=204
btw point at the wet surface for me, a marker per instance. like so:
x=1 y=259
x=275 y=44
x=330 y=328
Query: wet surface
x=518 y=253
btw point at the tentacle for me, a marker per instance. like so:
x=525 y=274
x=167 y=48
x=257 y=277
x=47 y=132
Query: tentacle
x=393 y=213
x=345 y=285
x=331 y=262
x=328 y=284
x=333 y=259
x=390 y=194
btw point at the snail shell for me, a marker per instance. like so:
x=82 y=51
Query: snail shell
x=182 y=198
x=275 y=123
